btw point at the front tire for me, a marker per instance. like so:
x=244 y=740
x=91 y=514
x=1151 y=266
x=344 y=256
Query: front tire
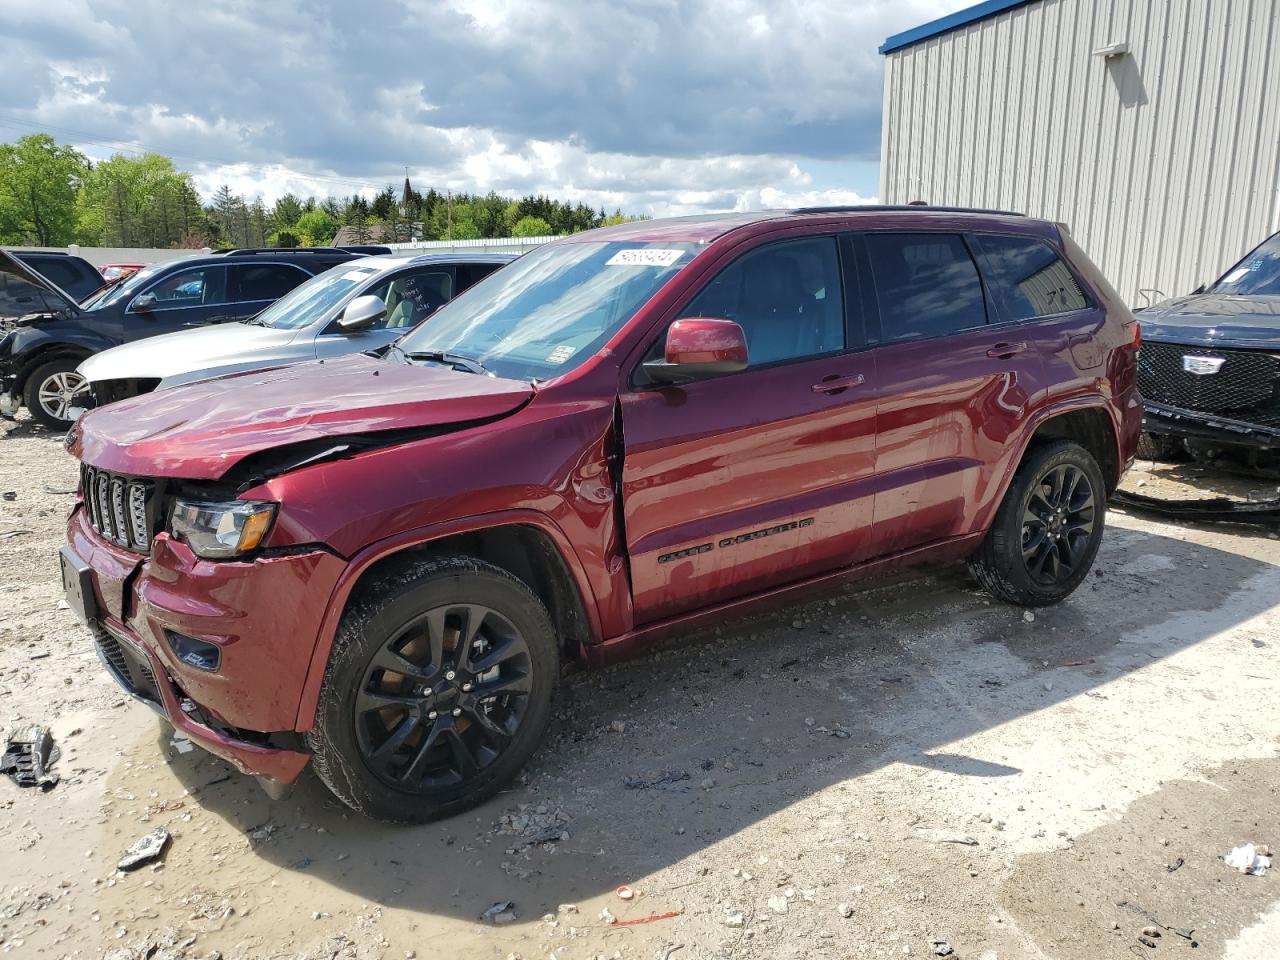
x=52 y=390
x=1048 y=528
x=438 y=690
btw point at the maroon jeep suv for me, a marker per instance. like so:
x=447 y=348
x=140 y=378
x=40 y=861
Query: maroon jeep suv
x=379 y=565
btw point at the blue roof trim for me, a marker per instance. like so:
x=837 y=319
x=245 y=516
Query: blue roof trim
x=979 y=11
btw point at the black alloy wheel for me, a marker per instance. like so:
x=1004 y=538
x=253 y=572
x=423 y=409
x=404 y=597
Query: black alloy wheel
x=443 y=697
x=1057 y=525
x=1047 y=529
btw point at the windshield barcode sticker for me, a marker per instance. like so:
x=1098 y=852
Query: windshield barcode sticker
x=644 y=257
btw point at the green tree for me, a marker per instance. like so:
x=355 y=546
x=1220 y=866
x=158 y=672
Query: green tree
x=316 y=228
x=38 y=184
x=287 y=211
x=138 y=201
x=531 y=227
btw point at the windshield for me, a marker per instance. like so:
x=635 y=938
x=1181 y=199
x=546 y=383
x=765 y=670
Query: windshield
x=550 y=310
x=1258 y=274
x=317 y=298
x=123 y=290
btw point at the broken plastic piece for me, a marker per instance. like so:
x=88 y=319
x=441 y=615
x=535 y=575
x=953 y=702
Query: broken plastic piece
x=625 y=893
x=28 y=754
x=504 y=911
x=144 y=849
x=1220 y=509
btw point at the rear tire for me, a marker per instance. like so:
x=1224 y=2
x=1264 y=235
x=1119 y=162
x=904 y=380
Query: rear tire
x=51 y=389
x=439 y=688
x=1048 y=528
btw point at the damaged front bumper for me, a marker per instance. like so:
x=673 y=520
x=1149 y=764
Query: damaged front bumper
x=261 y=616
x=1193 y=425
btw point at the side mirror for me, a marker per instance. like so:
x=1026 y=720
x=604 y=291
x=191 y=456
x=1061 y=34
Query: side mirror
x=146 y=301
x=698 y=348
x=362 y=313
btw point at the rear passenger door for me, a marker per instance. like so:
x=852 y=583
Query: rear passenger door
x=953 y=387
x=255 y=286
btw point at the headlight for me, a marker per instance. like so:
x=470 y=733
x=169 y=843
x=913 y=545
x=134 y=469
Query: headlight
x=221 y=529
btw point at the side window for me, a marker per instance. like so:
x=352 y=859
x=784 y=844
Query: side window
x=412 y=297
x=926 y=284
x=472 y=273
x=1027 y=278
x=785 y=296
x=189 y=288
x=266 y=281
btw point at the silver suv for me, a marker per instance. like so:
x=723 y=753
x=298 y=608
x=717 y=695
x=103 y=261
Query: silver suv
x=354 y=307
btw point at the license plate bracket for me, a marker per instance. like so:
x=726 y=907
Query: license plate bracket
x=77 y=586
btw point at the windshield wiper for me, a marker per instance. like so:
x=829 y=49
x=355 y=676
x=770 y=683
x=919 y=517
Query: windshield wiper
x=443 y=356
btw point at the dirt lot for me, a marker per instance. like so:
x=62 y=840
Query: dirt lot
x=902 y=764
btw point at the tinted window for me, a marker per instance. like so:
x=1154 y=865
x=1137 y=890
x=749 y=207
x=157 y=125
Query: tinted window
x=473 y=273
x=926 y=284
x=18 y=297
x=1027 y=278
x=267 y=281
x=64 y=273
x=785 y=296
x=190 y=288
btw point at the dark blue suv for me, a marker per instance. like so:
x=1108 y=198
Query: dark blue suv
x=39 y=355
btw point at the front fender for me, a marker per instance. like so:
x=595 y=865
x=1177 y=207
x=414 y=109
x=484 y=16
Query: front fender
x=230 y=369
x=420 y=537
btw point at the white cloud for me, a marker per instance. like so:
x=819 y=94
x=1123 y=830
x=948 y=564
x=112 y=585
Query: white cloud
x=654 y=106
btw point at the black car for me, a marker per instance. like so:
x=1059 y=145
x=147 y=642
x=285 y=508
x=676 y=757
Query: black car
x=1209 y=367
x=75 y=276
x=39 y=351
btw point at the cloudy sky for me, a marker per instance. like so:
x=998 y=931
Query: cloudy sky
x=654 y=106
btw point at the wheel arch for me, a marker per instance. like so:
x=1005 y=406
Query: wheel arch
x=46 y=353
x=528 y=545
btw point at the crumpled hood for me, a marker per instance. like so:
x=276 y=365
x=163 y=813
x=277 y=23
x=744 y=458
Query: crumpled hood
x=1215 y=320
x=184 y=351
x=200 y=430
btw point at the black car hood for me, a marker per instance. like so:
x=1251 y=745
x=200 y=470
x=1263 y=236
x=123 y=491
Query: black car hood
x=14 y=267
x=1212 y=319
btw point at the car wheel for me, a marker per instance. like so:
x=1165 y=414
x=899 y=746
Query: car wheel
x=438 y=690
x=53 y=389
x=1048 y=528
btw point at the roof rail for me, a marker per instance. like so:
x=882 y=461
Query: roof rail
x=375 y=249
x=275 y=251
x=905 y=207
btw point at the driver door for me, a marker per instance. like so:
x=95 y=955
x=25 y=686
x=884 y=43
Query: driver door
x=182 y=300
x=739 y=483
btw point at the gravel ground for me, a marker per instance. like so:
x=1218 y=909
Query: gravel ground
x=899 y=766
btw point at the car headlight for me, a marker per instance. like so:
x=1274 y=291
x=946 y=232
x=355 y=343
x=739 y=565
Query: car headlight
x=219 y=529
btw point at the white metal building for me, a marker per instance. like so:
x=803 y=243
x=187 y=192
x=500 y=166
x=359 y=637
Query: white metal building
x=1150 y=127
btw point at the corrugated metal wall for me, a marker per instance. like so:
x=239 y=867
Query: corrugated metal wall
x=1165 y=163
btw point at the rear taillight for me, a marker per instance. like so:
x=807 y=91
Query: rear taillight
x=1134 y=328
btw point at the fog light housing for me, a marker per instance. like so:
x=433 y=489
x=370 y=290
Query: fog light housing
x=200 y=654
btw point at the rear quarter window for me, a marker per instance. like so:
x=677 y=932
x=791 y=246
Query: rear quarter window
x=1027 y=278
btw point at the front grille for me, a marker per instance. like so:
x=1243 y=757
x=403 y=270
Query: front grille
x=131 y=668
x=123 y=509
x=1246 y=386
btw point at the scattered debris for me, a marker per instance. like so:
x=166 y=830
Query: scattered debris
x=144 y=849
x=735 y=920
x=941 y=948
x=1028 y=616
x=625 y=893
x=965 y=840
x=1249 y=859
x=504 y=911
x=778 y=904
x=29 y=752
x=10 y=495
x=6 y=534
x=59 y=490
x=662 y=779
x=618 y=726
x=1175 y=865
x=1153 y=932
x=615 y=922
x=1216 y=509
x=845 y=910
x=180 y=743
x=1080 y=663
x=1147 y=942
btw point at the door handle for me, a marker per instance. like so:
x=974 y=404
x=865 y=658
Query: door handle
x=836 y=384
x=1003 y=351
